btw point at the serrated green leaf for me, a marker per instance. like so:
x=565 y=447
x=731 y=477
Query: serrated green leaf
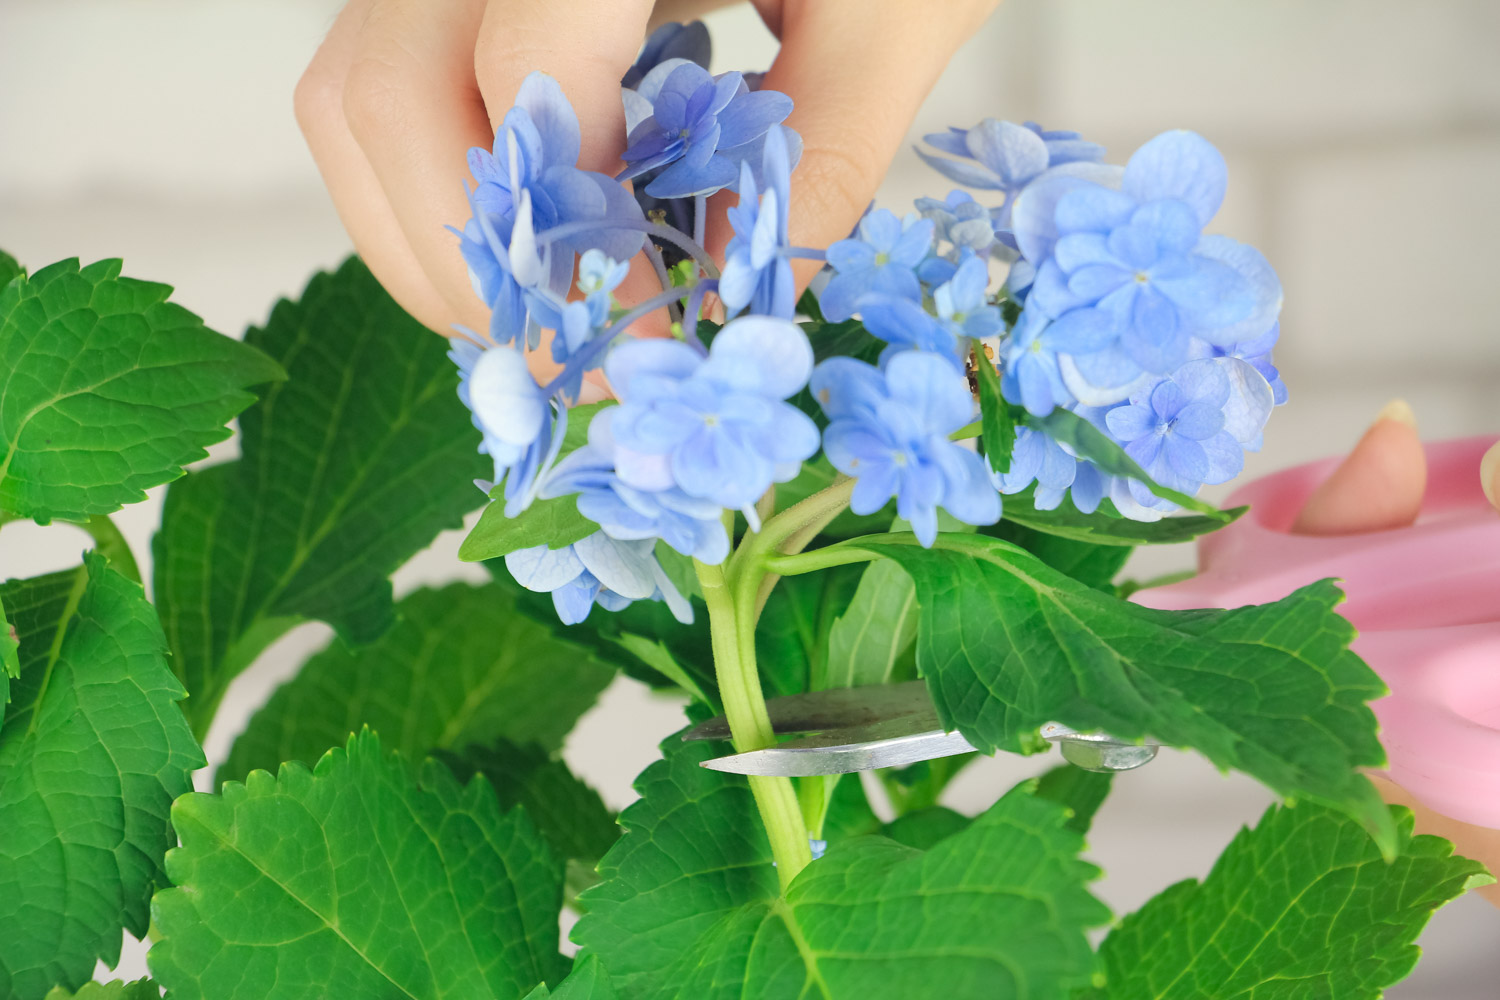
x=997 y=418
x=461 y=666
x=587 y=981
x=93 y=750
x=107 y=389
x=1080 y=792
x=1088 y=441
x=9 y=268
x=348 y=469
x=1087 y=562
x=689 y=906
x=868 y=642
x=140 y=989
x=791 y=639
x=356 y=880
x=1303 y=905
x=554 y=523
x=1105 y=527
x=568 y=812
x=1007 y=643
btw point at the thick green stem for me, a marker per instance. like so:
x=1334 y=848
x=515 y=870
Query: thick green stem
x=790 y=532
x=749 y=724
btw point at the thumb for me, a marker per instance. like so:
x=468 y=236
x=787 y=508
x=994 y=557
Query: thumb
x=1378 y=486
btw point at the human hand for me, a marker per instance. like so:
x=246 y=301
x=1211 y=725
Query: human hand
x=401 y=89
x=1377 y=487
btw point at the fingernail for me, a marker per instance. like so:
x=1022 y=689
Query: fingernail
x=1489 y=473
x=1398 y=410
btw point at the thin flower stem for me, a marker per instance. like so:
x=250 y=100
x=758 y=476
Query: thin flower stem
x=585 y=355
x=700 y=218
x=805 y=253
x=662 y=232
x=733 y=643
x=660 y=267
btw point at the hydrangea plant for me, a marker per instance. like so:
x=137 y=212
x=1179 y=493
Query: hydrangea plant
x=933 y=465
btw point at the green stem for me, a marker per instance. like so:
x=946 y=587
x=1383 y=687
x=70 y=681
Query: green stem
x=810 y=562
x=814 y=794
x=733 y=641
x=112 y=545
x=789 y=532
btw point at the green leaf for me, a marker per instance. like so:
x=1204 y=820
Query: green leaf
x=568 y=812
x=107 y=389
x=791 y=639
x=689 y=906
x=9 y=268
x=356 y=880
x=1088 y=441
x=809 y=306
x=554 y=523
x=348 y=469
x=997 y=418
x=10 y=661
x=868 y=642
x=461 y=666
x=141 y=989
x=587 y=981
x=1007 y=643
x=658 y=656
x=926 y=828
x=1081 y=792
x=93 y=750
x=1301 y=906
x=1105 y=527
x=1086 y=562
x=640 y=640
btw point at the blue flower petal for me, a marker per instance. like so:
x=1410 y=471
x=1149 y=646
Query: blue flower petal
x=750 y=115
x=553 y=116
x=1181 y=165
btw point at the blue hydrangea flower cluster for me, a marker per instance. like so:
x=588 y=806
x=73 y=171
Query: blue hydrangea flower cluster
x=1111 y=302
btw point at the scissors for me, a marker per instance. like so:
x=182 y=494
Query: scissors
x=1425 y=598
x=884 y=725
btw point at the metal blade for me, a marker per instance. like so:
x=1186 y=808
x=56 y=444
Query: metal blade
x=844 y=751
x=841 y=708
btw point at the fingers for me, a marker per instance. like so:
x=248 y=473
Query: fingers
x=858 y=70
x=413 y=106
x=1489 y=474
x=586 y=45
x=357 y=196
x=1378 y=486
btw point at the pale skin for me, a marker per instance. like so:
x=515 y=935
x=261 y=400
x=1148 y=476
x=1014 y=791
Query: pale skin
x=401 y=89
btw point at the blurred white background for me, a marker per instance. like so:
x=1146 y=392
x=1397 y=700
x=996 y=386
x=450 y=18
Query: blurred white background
x=1363 y=138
